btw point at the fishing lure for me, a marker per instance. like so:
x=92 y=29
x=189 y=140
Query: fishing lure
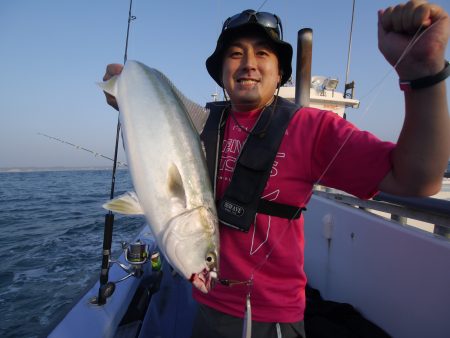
x=247 y=327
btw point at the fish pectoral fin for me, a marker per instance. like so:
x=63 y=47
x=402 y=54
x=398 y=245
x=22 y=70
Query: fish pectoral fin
x=109 y=86
x=175 y=186
x=127 y=204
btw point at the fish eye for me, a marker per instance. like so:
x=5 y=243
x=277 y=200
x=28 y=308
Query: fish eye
x=211 y=259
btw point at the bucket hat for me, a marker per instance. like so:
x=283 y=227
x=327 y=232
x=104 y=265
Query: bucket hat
x=264 y=24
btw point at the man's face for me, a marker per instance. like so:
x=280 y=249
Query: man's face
x=250 y=73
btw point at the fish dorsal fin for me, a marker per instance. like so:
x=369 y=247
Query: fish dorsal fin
x=127 y=204
x=109 y=86
x=176 y=187
x=197 y=113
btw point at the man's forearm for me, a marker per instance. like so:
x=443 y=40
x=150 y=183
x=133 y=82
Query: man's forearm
x=423 y=147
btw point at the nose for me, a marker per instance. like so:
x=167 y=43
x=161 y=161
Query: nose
x=249 y=61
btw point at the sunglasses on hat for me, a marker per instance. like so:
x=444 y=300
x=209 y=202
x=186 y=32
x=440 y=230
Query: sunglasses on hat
x=264 y=19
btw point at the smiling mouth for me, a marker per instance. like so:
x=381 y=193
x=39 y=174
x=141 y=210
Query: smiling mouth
x=247 y=81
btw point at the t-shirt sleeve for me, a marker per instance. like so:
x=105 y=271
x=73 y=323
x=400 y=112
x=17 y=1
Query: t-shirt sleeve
x=347 y=158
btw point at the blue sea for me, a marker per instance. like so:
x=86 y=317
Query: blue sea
x=51 y=238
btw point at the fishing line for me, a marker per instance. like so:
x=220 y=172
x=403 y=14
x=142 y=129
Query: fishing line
x=418 y=35
x=411 y=44
x=253 y=237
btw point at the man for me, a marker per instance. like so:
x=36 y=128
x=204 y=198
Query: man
x=261 y=259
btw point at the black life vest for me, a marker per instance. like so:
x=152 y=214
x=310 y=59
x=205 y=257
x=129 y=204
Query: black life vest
x=242 y=198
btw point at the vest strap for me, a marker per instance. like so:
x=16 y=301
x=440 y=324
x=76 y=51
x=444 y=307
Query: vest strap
x=242 y=199
x=279 y=210
x=212 y=137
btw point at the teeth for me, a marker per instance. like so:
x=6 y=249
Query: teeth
x=247 y=81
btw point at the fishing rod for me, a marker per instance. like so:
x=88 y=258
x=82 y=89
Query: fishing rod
x=96 y=154
x=107 y=288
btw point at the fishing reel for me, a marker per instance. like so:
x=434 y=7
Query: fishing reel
x=136 y=255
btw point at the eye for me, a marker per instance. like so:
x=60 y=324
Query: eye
x=262 y=52
x=211 y=259
x=234 y=52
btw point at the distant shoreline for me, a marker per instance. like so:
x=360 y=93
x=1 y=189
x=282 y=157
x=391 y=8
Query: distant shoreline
x=44 y=169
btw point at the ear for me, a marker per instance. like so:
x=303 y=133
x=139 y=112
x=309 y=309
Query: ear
x=280 y=76
x=221 y=78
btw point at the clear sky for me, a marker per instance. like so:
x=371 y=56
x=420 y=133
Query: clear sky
x=53 y=52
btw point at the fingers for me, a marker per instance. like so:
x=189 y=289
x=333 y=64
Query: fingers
x=409 y=17
x=111 y=100
x=111 y=70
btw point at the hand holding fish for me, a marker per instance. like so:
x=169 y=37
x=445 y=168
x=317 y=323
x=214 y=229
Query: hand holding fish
x=112 y=70
x=397 y=27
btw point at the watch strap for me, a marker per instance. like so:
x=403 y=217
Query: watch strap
x=427 y=81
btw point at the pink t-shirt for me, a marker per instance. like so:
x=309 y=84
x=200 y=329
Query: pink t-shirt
x=272 y=251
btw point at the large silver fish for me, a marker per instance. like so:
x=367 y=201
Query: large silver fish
x=168 y=171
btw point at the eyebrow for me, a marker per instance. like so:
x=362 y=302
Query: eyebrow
x=259 y=43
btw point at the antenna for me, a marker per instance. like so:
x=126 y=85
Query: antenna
x=349 y=86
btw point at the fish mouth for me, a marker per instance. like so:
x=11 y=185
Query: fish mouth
x=205 y=280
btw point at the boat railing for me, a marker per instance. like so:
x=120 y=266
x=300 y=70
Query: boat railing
x=403 y=210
